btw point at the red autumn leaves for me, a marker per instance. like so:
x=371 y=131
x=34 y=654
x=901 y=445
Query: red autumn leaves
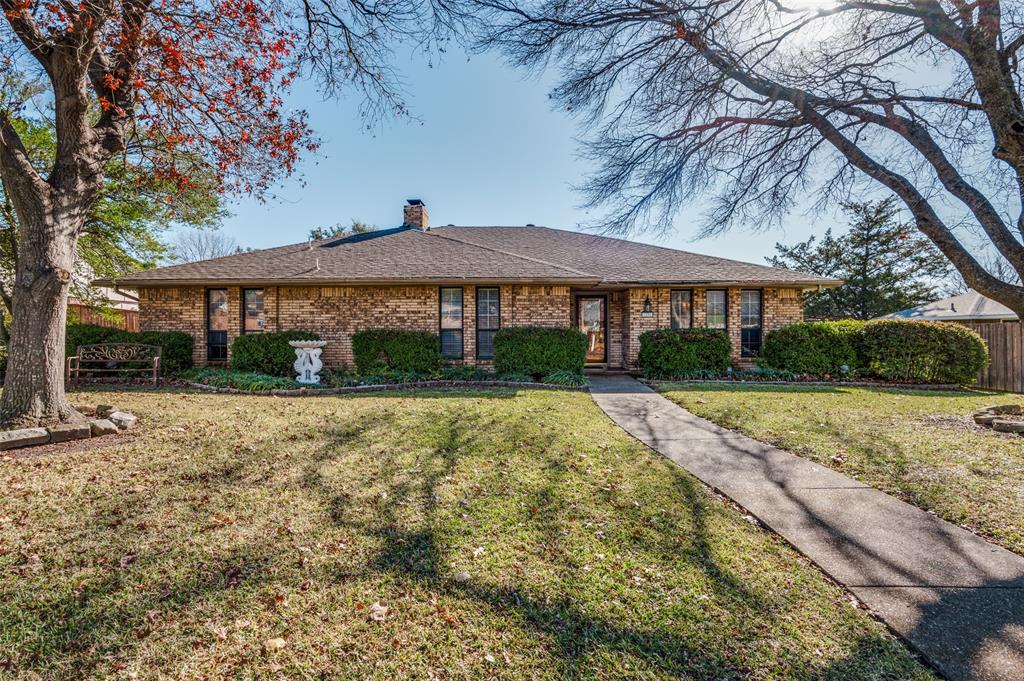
x=199 y=84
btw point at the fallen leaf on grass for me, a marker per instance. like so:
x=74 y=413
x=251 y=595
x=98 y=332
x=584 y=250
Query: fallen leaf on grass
x=274 y=644
x=221 y=521
x=478 y=551
x=378 y=612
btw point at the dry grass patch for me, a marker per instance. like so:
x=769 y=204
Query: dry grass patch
x=473 y=535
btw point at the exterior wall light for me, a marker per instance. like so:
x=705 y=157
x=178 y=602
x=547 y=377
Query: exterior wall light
x=648 y=310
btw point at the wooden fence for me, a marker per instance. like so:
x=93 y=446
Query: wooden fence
x=122 y=319
x=1006 y=354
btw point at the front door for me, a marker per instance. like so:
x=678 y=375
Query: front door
x=591 y=315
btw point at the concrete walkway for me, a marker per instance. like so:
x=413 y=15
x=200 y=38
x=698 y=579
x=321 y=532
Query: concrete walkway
x=954 y=597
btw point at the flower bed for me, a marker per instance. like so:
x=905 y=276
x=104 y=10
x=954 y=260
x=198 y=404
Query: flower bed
x=309 y=391
x=769 y=376
x=809 y=381
x=336 y=383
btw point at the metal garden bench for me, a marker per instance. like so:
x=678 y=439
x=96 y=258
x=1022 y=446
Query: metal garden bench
x=116 y=358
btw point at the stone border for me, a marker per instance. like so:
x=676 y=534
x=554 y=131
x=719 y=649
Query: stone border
x=109 y=421
x=838 y=384
x=382 y=387
x=989 y=417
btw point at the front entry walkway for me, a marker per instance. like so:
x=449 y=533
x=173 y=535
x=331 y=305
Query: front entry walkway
x=956 y=598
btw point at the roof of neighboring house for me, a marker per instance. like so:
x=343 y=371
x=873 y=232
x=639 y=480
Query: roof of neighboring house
x=118 y=300
x=467 y=254
x=966 y=306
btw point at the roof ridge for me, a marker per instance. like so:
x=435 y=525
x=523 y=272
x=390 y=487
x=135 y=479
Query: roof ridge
x=514 y=255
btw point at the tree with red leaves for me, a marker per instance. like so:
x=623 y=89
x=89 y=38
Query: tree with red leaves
x=176 y=86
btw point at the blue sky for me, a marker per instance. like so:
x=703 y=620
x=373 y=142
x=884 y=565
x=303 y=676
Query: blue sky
x=487 y=150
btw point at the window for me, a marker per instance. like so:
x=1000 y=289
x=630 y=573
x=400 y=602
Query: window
x=488 y=321
x=718 y=309
x=451 y=323
x=750 y=323
x=681 y=309
x=254 y=319
x=217 y=324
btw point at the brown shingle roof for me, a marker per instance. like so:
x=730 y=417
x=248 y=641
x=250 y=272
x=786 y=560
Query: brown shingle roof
x=485 y=254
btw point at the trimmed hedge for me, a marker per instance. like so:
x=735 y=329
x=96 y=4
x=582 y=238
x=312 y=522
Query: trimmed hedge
x=267 y=353
x=815 y=348
x=682 y=353
x=539 y=351
x=378 y=351
x=921 y=351
x=176 y=346
x=88 y=334
x=911 y=351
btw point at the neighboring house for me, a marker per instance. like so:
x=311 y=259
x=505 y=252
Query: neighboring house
x=107 y=306
x=966 y=307
x=465 y=283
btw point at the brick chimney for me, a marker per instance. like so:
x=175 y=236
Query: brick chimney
x=415 y=215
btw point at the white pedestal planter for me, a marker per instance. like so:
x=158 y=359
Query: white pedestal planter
x=307 y=360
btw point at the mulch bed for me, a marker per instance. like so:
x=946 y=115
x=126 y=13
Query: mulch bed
x=356 y=389
x=837 y=384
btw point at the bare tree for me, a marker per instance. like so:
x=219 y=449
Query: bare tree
x=760 y=104
x=192 y=245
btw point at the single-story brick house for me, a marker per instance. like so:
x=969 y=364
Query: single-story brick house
x=465 y=283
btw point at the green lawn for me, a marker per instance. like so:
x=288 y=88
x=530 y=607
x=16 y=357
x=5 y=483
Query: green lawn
x=509 y=535
x=920 y=446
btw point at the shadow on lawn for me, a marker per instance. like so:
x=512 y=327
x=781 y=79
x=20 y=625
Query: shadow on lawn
x=80 y=629
x=963 y=610
x=420 y=554
x=954 y=598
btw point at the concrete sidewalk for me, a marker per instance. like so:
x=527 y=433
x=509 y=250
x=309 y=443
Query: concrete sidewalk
x=957 y=599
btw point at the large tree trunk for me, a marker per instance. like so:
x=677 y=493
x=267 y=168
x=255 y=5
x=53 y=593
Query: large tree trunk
x=33 y=391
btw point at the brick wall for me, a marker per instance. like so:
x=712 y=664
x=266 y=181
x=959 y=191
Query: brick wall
x=617 y=327
x=782 y=307
x=335 y=313
x=175 y=309
x=637 y=323
x=537 y=306
x=779 y=307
